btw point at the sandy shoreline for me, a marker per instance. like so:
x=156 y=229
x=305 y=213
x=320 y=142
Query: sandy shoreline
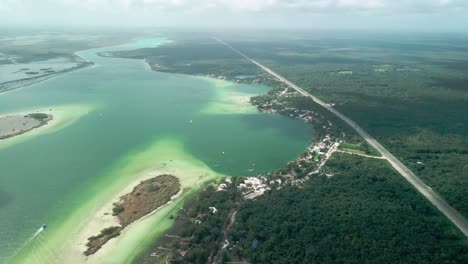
x=15 y=125
x=190 y=176
x=68 y=239
x=62 y=117
x=103 y=218
x=228 y=101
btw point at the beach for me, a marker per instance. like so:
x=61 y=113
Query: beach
x=60 y=117
x=191 y=174
x=15 y=125
x=99 y=146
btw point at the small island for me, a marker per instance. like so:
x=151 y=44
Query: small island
x=145 y=198
x=14 y=125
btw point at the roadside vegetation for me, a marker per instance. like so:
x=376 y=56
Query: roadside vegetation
x=354 y=209
x=409 y=92
x=365 y=213
x=204 y=57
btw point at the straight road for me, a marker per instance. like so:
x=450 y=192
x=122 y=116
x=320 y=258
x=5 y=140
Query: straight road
x=453 y=215
x=359 y=154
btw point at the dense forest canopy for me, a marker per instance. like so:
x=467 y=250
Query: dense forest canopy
x=366 y=213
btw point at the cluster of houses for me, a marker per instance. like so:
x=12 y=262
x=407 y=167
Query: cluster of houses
x=214 y=76
x=255 y=80
x=318 y=152
x=253 y=187
x=250 y=187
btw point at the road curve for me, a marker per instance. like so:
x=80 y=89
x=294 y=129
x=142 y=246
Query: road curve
x=453 y=215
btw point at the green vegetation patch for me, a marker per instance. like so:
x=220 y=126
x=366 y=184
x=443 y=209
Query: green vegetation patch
x=201 y=57
x=39 y=116
x=146 y=197
x=197 y=231
x=96 y=242
x=366 y=213
x=400 y=89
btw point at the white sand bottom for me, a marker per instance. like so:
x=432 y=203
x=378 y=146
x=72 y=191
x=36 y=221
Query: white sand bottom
x=164 y=156
x=63 y=116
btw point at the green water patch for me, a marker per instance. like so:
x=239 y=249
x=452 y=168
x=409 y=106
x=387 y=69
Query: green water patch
x=62 y=239
x=231 y=98
x=139 y=120
x=245 y=145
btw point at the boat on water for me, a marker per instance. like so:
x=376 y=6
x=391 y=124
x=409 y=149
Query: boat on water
x=43 y=226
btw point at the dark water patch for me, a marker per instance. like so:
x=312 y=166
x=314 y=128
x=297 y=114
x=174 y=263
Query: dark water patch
x=459 y=65
x=240 y=141
x=5 y=61
x=5 y=198
x=451 y=83
x=290 y=128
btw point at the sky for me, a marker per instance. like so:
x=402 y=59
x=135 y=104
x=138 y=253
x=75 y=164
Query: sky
x=413 y=15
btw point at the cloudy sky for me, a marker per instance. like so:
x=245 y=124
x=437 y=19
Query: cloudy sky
x=424 y=15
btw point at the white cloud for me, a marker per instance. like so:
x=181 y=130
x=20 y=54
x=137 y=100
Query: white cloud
x=232 y=12
x=249 y=5
x=360 y=3
x=6 y=5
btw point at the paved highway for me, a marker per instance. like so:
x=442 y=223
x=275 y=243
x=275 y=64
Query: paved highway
x=454 y=216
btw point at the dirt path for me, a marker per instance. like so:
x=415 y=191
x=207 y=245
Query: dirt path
x=232 y=219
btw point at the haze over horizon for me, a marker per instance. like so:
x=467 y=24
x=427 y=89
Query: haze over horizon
x=407 y=15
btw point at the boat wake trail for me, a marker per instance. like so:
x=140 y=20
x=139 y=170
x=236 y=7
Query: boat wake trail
x=30 y=245
x=38 y=232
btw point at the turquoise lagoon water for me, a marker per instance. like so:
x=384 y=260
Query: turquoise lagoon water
x=44 y=179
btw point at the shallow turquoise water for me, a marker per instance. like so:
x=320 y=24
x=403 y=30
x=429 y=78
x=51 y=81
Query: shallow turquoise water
x=40 y=179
